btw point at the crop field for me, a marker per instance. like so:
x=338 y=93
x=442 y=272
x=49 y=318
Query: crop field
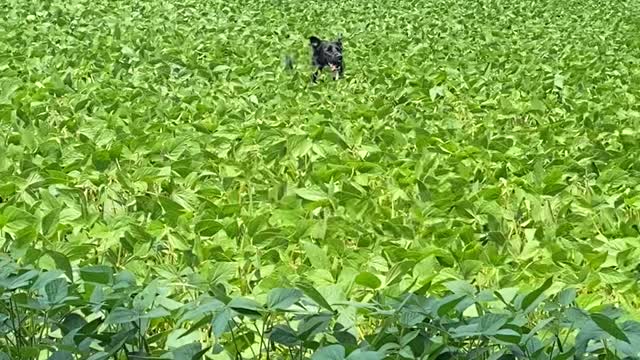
x=169 y=189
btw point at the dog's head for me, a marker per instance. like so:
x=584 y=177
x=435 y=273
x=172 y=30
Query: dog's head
x=327 y=53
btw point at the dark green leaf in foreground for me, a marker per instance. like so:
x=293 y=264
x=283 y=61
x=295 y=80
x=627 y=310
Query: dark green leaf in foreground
x=360 y=354
x=245 y=306
x=534 y=295
x=284 y=335
x=331 y=352
x=449 y=303
x=156 y=155
x=56 y=290
x=314 y=295
x=20 y=281
x=609 y=326
x=222 y=321
x=188 y=352
x=62 y=262
x=97 y=274
x=59 y=355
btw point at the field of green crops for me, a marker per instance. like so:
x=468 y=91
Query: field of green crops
x=469 y=190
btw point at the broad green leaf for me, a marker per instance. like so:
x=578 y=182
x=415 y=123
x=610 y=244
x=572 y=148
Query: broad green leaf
x=398 y=271
x=49 y=222
x=99 y=274
x=282 y=299
x=436 y=91
x=360 y=354
x=188 y=352
x=331 y=352
x=461 y=287
x=245 y=306
x=121 y=316
x=56 y=290
x=62 y=263
x=222 y=321
x=449 y=304
x=20 y=281
x=155 y=313
x=508 y=336
x=609 y=326
x=311 y=194
x=282 y=334
x=316 y=256
x=567 y=296
x=369 y=280
x=534 y=295
x=60 y=355
x=314 y=295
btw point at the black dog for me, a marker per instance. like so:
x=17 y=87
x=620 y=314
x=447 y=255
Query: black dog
x=327 y=53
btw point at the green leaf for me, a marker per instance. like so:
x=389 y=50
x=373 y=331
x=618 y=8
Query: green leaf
x=436 y=91
x=316 y=256
x=100 y=274
x=398 y=270
x=314 y=295
x=59 y=355
x=62 y=263
x=282 y=334
x=369 y=280
x=222 y=321
x=187 y=352
x=461 y=287
x=221 y=68
x=314 y=324
x=155 y=313
x=558 y=81
x=360 y=354
x=100 y=355
x=245 y=306
x=121 y=315
x=567 y=296
x=72 y=322
x=208 y=227
x=50 y=222
x=609 y=326
x=529 y=300
x=331 y=352
x=22 y=280
x=56 y=290
x=449 y=303
x=508 y=336
x=198 y=325
x=311 y=194
x=282 y=299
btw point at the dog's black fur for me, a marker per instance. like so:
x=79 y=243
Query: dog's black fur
x=326 y=53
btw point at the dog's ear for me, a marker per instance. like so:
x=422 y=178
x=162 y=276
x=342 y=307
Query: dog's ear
x=339 y=41
x=314 y=42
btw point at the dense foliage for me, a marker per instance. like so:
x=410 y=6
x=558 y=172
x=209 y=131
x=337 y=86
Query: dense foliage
x=158 y=162
x=104 y=315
